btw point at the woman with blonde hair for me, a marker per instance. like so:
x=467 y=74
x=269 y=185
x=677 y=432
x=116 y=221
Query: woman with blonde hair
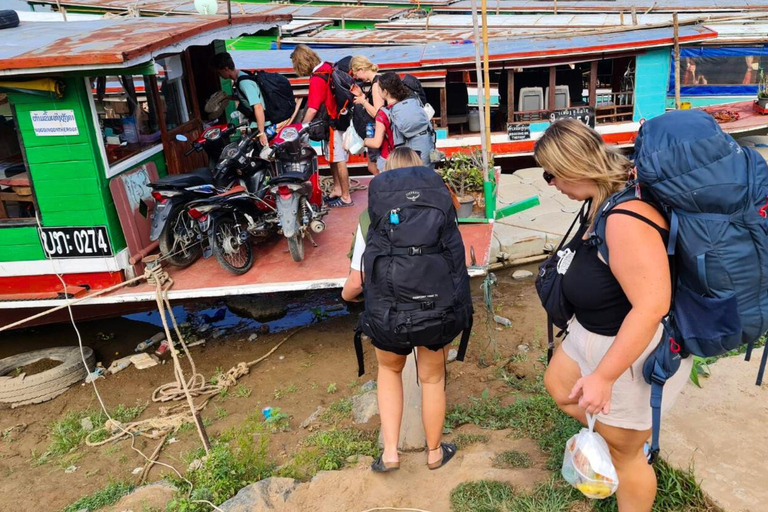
x=430 y=362
x=368 y=98
x=618 y=307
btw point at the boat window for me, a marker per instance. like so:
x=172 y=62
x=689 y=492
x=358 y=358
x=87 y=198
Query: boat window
x=170 y=77
x=615 y=94
x=711 y=71
x=17 y=200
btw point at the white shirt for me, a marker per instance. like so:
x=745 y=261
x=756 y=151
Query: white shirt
x=357 y=254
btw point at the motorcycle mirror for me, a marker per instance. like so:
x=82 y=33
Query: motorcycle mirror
x=181 y=138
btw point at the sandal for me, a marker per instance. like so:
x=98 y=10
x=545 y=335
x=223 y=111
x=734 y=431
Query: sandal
x=449 y=450
x=379 y=466
x=339 y=203
x=329 y=198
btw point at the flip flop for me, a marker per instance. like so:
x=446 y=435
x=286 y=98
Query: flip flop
x=449 y=450
x=379 y=466
x=329 y=198
x=338 y=203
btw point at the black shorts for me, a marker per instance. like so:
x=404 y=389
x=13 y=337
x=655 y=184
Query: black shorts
x=406 y=351
x=373 y=154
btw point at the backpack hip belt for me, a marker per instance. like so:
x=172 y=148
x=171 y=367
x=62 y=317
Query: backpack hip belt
x=414 y=251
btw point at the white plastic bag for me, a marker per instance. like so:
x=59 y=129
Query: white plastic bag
x=587 y=463
x=352 y=142
x=429 y=109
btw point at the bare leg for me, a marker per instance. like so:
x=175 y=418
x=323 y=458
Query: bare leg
x=373 y=168
x=342 y=178
x=390 y=397
x=336 y=190
x=431 y=366
x=559 y=379
x=637 y=480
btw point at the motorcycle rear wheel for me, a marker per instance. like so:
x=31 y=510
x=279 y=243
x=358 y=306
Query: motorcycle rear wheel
x=179 y=254
x=296 y=247
x=232 y=253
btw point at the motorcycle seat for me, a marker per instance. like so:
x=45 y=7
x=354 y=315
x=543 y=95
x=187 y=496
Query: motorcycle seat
x=200 y=176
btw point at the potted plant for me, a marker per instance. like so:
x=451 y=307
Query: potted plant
x=762 y=90
x=464 y=175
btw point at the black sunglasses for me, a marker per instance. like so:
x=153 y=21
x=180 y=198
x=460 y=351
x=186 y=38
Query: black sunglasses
x=548 y=177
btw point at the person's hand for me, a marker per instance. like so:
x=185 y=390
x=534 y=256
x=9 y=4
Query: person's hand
x=356 y=90
x=360 y=100
x=263 y=139
x=594 y=392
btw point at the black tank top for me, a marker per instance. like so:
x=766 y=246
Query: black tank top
x=599 y=302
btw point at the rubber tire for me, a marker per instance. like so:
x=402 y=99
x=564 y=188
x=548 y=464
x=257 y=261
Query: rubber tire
x=296 y=247
x=8 y=19
x=219 y=252
x=45 y=385
x=166 y=242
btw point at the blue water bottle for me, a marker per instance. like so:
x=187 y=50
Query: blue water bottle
x=369 y=131
x=270 y=131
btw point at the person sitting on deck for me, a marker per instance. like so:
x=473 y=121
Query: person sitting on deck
x=369 y=99
x=247 y=92
x=307 y=63
x=430 y=361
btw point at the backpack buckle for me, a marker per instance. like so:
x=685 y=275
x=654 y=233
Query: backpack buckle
x=414 y=251
x=427 y=305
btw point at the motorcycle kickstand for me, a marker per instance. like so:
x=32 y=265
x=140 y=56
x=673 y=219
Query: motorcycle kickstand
x=309 y=235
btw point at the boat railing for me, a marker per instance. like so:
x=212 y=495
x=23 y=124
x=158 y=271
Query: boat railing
x=615 y=107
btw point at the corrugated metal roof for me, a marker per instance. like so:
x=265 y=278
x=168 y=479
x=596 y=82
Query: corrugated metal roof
x=299 y=11
x=389 y=37
x=114 y=42
x=598 y=6
x=446 y=54
x=547 y=21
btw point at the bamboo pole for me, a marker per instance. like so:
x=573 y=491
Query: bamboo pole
x=484 y=140
x=486 y=89
x=677 y=60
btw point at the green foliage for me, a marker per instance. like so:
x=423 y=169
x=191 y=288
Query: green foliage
x=278 y=421
x=482 y=496
x=463 y=172
x=281 y=392
x=242 y=391
x=329 y=450
x=512 y=459
x=337 y=412
x=463 y=440
x=103 y=498
x=332 y=388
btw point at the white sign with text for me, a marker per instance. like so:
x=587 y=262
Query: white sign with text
x=50 y=123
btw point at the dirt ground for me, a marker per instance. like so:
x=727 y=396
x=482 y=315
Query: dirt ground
x=301 y=371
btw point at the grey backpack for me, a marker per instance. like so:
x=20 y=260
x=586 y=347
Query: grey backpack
x=412 y=128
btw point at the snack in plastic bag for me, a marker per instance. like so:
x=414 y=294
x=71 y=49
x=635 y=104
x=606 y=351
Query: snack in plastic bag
x=587 y=463
x=352 y=142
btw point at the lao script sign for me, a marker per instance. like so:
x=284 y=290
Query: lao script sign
x=51 y=123
x=584 y=114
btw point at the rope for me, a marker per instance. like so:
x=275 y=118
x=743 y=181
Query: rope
x=326 y=185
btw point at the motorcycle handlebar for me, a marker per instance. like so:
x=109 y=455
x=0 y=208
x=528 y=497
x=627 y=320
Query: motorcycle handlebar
x=190 y=151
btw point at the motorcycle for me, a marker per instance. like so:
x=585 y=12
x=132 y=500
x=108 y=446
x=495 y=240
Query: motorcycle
x=296 y=187
x=177 y=233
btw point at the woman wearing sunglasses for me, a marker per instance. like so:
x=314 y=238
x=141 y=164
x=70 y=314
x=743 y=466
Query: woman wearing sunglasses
x=618 y=307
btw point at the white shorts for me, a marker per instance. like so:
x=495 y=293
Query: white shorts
x=631 y=395
x=339 y=153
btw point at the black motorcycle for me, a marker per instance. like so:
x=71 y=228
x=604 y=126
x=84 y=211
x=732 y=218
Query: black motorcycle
x=177 y=232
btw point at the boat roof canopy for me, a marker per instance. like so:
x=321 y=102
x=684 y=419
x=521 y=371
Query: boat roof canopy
x=447 y=54
x=45 y=47
x=604 y=6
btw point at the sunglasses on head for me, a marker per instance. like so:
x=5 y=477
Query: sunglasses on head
x=548 y=177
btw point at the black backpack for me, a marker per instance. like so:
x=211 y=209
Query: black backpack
x=360 y=116
x=413 y=83
x=340 y=82
x=416 y=284
x=279 y=103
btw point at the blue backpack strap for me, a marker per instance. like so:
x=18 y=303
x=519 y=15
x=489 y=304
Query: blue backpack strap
x=597 y=235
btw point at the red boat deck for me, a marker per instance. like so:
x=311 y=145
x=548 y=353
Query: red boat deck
x=325 y=266
x=748 y=119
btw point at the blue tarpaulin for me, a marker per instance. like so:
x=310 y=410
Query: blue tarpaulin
x=719 y=71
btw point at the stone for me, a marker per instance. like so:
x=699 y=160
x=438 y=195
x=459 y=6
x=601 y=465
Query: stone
x=264 y=329
x=523 y=348
x=260 y=308
x=452 y=355
x=364 y=407
x=269 y=494
x=253 y=337
x=368 y=386
x=313 y=417
x=521 y=274
x=86 y=424
x=155 y=496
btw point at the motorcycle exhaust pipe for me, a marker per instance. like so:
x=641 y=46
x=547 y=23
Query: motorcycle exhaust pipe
x=317 y=226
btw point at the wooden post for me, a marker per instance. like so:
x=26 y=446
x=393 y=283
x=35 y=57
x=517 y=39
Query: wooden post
x=190 y=77
x=634 y=15
x=552 y=84
x=677 y=59
x=593 y=84
x=159 y=112
x=555 y=3
x=511 y=96
x=444 y=106
x=621 y=18
x=487 y=91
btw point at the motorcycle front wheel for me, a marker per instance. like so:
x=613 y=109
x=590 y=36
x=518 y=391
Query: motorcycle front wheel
x=178 y=239
x=231 y=251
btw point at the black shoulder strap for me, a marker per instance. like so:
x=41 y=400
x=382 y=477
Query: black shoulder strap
x=663 y=232
x=465 y=340
x=359 y=353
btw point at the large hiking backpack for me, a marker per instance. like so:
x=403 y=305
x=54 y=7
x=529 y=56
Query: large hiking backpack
x=413 y=83
x=715 y=196
x=279 y=103
x=360 y=117
x=412 y=128
x=341 y=82
x=416 y=285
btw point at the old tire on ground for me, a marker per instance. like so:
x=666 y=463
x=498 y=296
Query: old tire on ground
x=33 y=389
x=8 y=19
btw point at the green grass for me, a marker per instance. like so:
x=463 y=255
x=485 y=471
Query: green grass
x=464 y=440
x=512 y=459
x=278 y=421
x=495 y=496
x=337 y=412
x=331 y=388
x=242 y=391
x=103 y=498
x=329 y=450
x=238 y=458
x=280 y=393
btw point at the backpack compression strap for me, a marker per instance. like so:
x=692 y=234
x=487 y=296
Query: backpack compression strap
x=465 y=340
x=359 y=353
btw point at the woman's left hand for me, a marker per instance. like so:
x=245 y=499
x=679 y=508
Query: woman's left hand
x=595 y=391
x=360 y=100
